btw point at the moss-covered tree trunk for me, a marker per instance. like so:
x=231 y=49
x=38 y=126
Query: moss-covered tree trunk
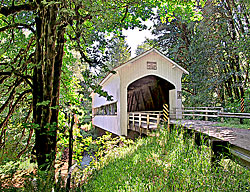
x=46 y=79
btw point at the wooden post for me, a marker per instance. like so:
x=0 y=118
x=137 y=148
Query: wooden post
x=242 y=109
x=133 y=121
x=175 y=113
x=139 y=120
x=219 y=149
x=147 y=122
x=128 y=120
x=206 y=117
x=197 y=139
x=222 y=119
x=193 y=112
x=158 y=119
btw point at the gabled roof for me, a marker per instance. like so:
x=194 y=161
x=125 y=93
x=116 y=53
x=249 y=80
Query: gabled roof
x=140 y=56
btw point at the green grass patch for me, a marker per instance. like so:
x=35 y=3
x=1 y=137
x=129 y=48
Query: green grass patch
x=235 y=123
x=165 y=163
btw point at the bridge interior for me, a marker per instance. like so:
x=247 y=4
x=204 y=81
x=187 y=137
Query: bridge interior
x=146 y=97
x=148 y=94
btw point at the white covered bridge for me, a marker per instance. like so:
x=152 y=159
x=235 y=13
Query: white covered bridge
x=139 y=87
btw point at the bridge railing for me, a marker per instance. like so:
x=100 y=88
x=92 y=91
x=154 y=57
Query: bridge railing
x=144 y=119
x=206 y=112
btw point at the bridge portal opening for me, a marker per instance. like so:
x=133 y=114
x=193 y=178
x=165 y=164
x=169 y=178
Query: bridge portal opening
x=148 y=94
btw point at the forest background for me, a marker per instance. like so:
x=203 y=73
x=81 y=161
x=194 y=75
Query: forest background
x=54 y=53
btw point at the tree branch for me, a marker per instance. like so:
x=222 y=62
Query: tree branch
x=3 y=78
x=6 y=11
x=25 y=77
x=17 y=25
x=5 y=73
x=28 y=142
x=4 y=122
x=125 y=15
x=188 y=91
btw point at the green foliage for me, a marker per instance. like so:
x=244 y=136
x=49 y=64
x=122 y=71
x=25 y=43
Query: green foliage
x=43 y=181
x=13 y=173
x=118 y=51
x=145 y=46
x=213 y=50
x=97 y=147
x=41 y=44
x=165 y=163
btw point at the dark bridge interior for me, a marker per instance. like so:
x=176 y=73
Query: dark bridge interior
x=148 y=94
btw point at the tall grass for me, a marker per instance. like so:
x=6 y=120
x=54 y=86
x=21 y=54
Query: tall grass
x=165 y=162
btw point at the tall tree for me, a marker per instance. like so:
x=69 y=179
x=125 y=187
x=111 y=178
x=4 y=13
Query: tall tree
x=213 y=50
x=146 y=45
x=118 y=51
x=33 y=37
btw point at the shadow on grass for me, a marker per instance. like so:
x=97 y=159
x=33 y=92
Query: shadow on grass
x=165 y=163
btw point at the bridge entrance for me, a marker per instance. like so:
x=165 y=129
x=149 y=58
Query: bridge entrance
x=146 y=97
x=148 y=94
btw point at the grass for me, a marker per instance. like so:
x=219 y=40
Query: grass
x=235 y=123
x=165 y=163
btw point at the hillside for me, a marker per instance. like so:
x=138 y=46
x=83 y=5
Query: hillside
x=165 y=162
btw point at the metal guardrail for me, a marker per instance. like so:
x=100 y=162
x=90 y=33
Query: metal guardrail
x=235 y=115
x=215 y=112
x=241 y=155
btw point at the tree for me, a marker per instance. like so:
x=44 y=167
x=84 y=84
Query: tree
x=118 y=51
x=145 y=46
x=212 y=50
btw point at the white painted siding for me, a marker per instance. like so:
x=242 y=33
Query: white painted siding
x=117 y=85
x=138 y=69
x=110 y=123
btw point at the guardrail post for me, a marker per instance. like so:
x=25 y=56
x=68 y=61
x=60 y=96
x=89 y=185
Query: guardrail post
x=193 y=112
x=222 y=111
x=206 y=117
x=242 y=109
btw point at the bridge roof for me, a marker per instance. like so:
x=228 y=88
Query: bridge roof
x=140 y=56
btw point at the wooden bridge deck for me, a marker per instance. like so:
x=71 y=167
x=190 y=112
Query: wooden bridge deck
x=235 y=136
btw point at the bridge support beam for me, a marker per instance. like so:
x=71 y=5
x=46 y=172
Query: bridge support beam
x=220 y=149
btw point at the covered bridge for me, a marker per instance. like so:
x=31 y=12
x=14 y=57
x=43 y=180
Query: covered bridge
x=142 y=84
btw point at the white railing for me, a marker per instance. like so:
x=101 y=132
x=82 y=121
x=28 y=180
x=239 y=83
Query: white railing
x=144 y=119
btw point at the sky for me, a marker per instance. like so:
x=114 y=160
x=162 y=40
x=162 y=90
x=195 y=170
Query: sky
x=136 y=37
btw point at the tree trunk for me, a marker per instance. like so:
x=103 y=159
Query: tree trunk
x=46 y=82
x=72 y=123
